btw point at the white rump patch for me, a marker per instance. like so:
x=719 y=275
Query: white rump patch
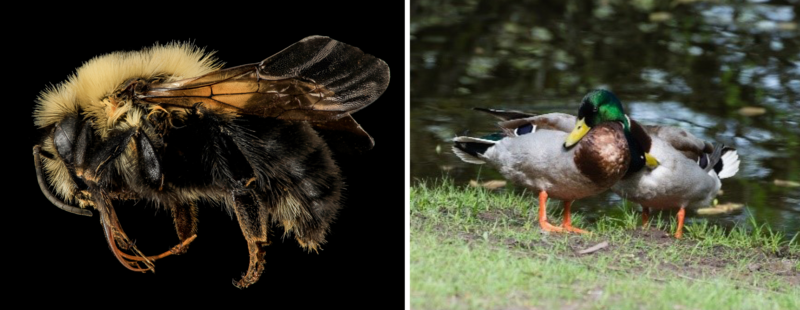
x=730 y=164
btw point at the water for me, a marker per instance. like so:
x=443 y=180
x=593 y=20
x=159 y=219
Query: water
x=728 y=72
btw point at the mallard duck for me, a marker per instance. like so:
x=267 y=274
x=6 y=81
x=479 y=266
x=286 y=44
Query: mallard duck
x=686 y=174
x=531 y=151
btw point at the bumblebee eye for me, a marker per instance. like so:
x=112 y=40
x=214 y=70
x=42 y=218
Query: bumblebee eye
x=64 y=138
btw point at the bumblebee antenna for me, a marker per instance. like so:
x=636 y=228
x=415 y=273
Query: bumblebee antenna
x=37 y=161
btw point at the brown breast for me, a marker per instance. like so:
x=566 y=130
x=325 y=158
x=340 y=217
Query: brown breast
x=603 y=155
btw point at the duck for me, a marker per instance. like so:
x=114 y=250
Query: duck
x=689 y=174
x=557 y=157
x=684 y=171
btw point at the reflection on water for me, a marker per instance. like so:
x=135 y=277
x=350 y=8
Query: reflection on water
x=724 y=71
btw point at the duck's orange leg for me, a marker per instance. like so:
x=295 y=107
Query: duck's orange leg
x=543 y=224
x=679 y=231
x=568 y=221
x=645 y=216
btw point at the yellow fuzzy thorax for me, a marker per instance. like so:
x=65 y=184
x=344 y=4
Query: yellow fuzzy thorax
x=88 y=89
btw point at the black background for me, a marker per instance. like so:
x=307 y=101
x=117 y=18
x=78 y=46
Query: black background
x=65 y=258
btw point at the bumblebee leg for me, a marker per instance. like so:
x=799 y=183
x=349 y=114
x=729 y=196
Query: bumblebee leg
x=131 y=265
x=114 y=234
x=185 y=217
x=96 y=172
x=176 y=250
x=255 y=229
x=124 y=241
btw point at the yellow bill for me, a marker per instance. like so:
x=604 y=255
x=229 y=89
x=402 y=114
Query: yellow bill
x=580 y=130
x=650 y=161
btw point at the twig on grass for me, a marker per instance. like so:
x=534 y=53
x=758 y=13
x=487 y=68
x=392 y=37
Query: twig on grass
x=595 y=248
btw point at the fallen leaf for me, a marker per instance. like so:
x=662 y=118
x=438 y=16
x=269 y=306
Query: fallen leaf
x=595 y=248
x=788 y=26
x=490 y=185
x=786 y=183
x=752 y=111
x=720 y=209
x=660 y=16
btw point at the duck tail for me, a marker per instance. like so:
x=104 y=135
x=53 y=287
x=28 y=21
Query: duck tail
x=505 y=115
x=728 y=165
x=471 y=149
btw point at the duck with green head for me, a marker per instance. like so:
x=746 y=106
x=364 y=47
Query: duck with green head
x=531 y=152
x=686 y=175
x=601 y=105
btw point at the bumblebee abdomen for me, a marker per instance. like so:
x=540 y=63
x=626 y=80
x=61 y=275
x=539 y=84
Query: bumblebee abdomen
x=304 y=188
x=283 y=165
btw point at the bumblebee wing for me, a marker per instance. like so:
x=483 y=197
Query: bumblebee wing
x=345 y=136
x=317 y=79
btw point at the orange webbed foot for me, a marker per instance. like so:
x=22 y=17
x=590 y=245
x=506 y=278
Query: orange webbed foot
x=567 y=224
x=576 y=230
x=545 y=226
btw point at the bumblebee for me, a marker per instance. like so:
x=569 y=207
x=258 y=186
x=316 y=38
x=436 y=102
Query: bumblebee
x=168 y=126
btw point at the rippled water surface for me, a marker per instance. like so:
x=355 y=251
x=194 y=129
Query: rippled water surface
x=725 y=71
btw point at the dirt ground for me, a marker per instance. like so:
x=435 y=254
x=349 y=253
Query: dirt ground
x=719 y=260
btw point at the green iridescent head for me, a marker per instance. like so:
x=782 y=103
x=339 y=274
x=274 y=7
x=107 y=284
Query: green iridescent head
x=600 y=106
x=597 y=106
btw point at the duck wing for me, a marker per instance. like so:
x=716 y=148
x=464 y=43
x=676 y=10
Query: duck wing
x=724 y=160
x=550 y=121
x=688 y=144
x=505 y=115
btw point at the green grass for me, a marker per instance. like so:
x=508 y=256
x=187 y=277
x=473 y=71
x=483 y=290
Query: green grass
x=475 y=249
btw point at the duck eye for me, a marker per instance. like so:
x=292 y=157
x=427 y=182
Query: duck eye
x=586 y=110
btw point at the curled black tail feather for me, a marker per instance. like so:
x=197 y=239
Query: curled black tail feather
x=723 y=160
